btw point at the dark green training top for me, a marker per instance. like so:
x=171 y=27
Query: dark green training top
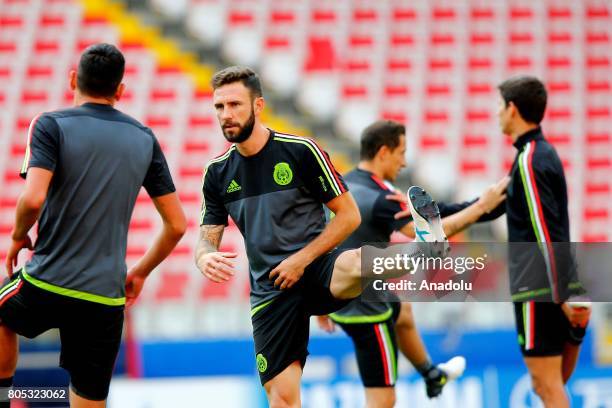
x=276 y=199
x=100 y=158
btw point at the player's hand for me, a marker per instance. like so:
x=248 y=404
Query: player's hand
x=133 y=286
x=13 y=252
x=494 y=195
x=217 y=266
x=325 y=323
x=401 y=198
x=577 y=316
x=287 y=273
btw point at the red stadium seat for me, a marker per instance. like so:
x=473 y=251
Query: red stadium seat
x=323 y=16
x=282 y=17
x=440 y=13
x=7 y=47
x=597 y=188
x=432 y=142
x=521 y=38
x=172 y=286
x=596 y=12
x=395 y=65
x=559 y=139
x=404 y=14
x=598 y=38
x=477 y=39
x=52 y=20
x=396 y=116
x=321 y=55
x=473 y=166
x=521 y=13
x=196 y=146
x=599 y=138
x=239 y=17
x=482 y=13
x=557 y=13
x=365 y=15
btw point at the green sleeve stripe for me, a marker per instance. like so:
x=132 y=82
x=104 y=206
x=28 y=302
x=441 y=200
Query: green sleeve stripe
x=323 y=166
x=260 y=306
x=203 y=208
x=529 y=198
x=361 y=319
x=26 y=159
x=532 y=203
x=224 y=156
x=73 y=293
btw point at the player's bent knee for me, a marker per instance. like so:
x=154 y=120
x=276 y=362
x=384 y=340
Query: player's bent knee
x=353 y=264
x=346 y=278
x=545 y=388
x=279 y=398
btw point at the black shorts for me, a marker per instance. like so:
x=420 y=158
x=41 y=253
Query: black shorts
x=376 y=349
x=543 y=329
x=90 y=333
x=281 y=328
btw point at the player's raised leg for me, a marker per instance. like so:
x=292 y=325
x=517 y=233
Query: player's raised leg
x=283 y=391
x=431 y=241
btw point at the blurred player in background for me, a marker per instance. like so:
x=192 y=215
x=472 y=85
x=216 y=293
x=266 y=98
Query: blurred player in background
x=377 y=329
x=550 y=329
x=84 y=167
x=274 y=185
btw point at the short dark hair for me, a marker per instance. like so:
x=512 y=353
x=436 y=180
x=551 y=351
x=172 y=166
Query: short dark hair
x=378 y=134
x=100 y=71
x=232 y=74
x=528 y=95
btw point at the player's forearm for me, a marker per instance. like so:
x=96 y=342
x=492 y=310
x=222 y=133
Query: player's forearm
x=209 y=241
x=163 y=245
x=457 y=222
x=336 y=231
x=26 y=215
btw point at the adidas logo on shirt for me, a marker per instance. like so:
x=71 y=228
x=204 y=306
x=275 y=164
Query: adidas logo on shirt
x=233 y=187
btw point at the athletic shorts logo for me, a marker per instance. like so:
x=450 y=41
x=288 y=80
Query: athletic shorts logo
x=262 y=363
x=233 y=187
x=282 y=174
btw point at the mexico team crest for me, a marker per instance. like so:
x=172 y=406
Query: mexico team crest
x=262 y=363
x=282 y=174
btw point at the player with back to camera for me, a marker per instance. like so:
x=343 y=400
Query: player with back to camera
x=83 y=170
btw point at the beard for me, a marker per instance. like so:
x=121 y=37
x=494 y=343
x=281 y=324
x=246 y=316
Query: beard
x=244 y=131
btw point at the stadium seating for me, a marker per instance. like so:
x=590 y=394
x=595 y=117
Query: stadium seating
x=40 y=41
x=435 y=65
